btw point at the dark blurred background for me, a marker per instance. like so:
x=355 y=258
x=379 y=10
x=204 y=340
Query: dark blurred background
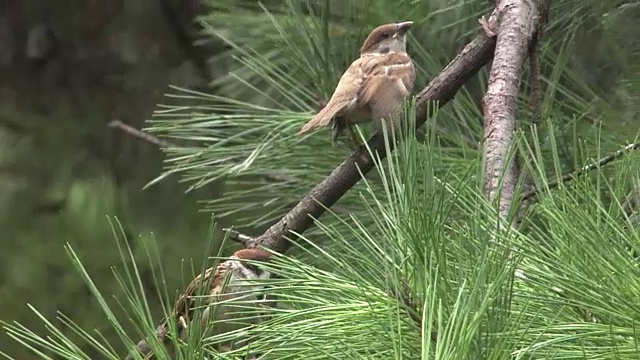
x=67 y=69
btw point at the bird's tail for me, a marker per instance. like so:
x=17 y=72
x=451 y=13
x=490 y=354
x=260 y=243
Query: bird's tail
x=322 y=118
x=145 y=349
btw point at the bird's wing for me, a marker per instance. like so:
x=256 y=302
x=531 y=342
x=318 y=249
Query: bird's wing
x=182 y=308
x=345 y=95
x=395 y=70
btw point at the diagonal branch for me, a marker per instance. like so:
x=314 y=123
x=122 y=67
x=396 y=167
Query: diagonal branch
x=441 y=90
x=130 y=130
x=572 y=175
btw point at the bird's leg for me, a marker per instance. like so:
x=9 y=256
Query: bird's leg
x=490 y=26
x=354 y=137
x=391 y=125
x=338 y=126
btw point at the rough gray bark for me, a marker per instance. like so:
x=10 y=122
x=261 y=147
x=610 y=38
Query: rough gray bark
x=516 y=22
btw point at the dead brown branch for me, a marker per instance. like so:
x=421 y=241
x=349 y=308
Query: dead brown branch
x=130 y=130
x=154 y=140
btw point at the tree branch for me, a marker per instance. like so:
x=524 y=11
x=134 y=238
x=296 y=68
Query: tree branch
x=237 y=237
x=154 y=140
x=130 y=130
x=441 y=90
x=515 y=21
x=572 y=175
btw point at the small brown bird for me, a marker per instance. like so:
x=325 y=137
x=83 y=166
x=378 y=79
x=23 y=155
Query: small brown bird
x=374 y=86
x=225 y=285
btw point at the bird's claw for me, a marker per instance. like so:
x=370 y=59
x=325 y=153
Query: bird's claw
x=182 y=322
x=489 y=26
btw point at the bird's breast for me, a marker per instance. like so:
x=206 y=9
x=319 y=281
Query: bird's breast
x=358 y=114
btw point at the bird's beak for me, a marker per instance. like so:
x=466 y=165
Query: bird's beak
x=403 y=27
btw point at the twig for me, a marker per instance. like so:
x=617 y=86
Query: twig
x=130 y=130
x=572 y=175
x=237 y=237
x=117 y=124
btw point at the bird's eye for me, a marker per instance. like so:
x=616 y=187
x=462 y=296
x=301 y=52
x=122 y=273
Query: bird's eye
x=385 y=35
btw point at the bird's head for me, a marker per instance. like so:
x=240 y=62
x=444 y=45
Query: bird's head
x=387 y=38
x=246 y=263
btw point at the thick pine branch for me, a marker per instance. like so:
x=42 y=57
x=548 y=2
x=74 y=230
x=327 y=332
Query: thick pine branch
x=514 y=23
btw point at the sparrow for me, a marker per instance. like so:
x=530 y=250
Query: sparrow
x=374 y=86
x=225 y=285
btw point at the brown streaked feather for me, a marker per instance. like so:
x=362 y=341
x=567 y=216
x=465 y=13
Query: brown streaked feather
x=402 y=66
x=184 y=307
x=399 y=65
x=387 y=85
x=355 y=87
x=253 y=254
x=186 y=302
x=323 y=118
x=375 y=36
x=344 y=97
